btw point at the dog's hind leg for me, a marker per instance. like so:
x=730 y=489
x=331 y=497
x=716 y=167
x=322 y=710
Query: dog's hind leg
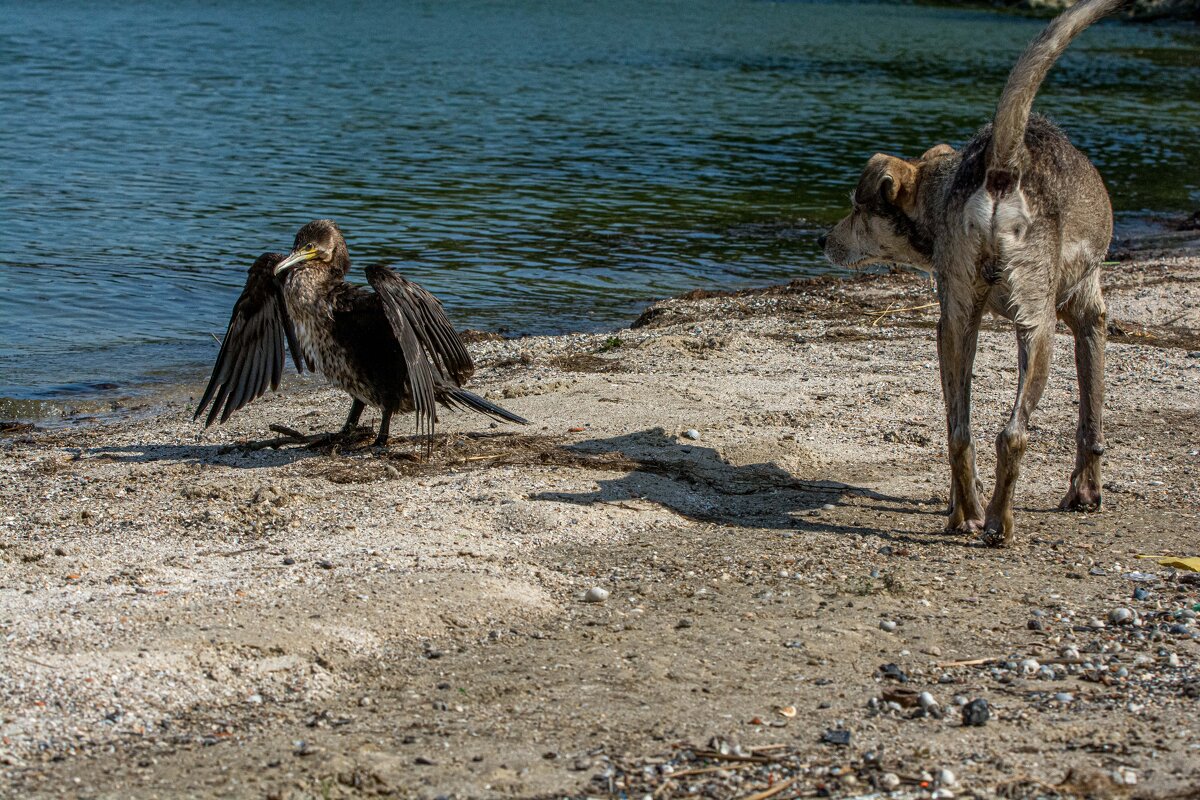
x=1085 y=314
x=957 y=335
x=1034 y=348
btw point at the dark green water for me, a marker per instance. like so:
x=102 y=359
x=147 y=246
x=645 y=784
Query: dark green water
x=542 y=166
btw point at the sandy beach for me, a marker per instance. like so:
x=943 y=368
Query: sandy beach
x=757 y=483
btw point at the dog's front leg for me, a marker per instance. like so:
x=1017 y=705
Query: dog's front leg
x=1034 y=347
x=957 y=335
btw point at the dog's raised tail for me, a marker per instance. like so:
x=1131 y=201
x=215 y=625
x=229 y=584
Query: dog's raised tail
x=1012 y=115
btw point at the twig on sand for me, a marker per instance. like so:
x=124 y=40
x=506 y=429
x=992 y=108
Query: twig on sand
x=232 y=552
x=698 y=771
x=716 y=755
x=288 y=436
x=774 y=790
x=879 y=315
x=970 y=662
x=24 y=657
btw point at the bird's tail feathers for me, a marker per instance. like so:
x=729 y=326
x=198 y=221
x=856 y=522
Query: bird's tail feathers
x=454 y=397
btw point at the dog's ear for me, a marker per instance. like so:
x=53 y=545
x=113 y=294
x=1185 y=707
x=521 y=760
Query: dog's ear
x=937 y=151
x=896 y=181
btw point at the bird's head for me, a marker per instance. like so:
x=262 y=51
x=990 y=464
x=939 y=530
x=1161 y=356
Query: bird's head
x=320 y=244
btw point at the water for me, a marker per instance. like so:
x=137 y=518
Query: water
x=541 y=166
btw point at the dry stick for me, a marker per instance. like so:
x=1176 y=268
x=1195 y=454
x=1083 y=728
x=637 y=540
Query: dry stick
x=971 y=662
x=700 y=771
x=33 y=660
x=719 y=756
x=774 y=790
x=890 y=310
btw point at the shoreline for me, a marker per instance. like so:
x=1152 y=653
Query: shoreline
x=757 y=480
x=1145 y=234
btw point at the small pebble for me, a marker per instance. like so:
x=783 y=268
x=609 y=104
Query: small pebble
x=1125 y=776
x=976 y=713
x=946 y=778
x=889 y=781
x=1120 y=616
x=1141 y=593
x=692 y=433
x=325 y=563
x=1064 y=697
x=1035 y=625
x=887 y=625
x=942 y=794
x=595 y=595
x=926 y=700
x=287 y=562
x=1030 y=665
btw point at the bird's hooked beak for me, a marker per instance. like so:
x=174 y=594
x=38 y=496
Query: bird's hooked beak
x=306 y=253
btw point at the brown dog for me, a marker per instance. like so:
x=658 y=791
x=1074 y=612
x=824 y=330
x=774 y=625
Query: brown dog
x=1016 y=223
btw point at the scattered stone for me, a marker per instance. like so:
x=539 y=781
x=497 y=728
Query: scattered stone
x=1141 y=593
x=1030 y=666
x=325 y=563
x=595 y=595
x=887 y=625
x=1064 y=697
x=289 y=561
x=1124 y=776
x=1035 y=625
x=683 y=623
x=1120 y=616
x=926 y=700
x=946 y=778
x=836 y=736
x=692 y=433
x=976 y=713
x=889 y=781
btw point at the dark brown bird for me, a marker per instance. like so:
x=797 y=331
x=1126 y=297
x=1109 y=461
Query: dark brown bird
x=392 y=348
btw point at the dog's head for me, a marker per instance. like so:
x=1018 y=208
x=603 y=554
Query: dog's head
x=884 y=225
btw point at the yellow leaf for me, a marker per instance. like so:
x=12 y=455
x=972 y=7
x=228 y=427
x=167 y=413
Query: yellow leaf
x=1190 y=564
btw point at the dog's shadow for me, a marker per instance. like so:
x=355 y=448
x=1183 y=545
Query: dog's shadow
x=696 y=482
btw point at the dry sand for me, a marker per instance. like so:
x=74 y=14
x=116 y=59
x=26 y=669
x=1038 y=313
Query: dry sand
x=185 y=617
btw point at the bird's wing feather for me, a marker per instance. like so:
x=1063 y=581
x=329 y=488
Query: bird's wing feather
x=428 y=319
x=251 y=356
x=405 y=322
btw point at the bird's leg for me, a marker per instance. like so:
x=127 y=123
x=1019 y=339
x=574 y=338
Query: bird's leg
x=382 y=439
x=356 y=409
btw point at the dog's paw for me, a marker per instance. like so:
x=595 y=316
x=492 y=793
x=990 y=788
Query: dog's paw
x=967 y=527
x=1081 y=498
x=997 y=534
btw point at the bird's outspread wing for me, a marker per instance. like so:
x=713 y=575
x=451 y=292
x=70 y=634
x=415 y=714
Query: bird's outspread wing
x=251 y=356
x=433 y=353
x=428 y=319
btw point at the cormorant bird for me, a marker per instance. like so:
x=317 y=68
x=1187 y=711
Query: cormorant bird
x=392 y=348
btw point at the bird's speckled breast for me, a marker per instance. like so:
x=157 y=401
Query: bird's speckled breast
x=312 y=316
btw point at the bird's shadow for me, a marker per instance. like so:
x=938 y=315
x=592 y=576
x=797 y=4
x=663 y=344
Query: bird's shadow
x=696 y=482
x=238 y=455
